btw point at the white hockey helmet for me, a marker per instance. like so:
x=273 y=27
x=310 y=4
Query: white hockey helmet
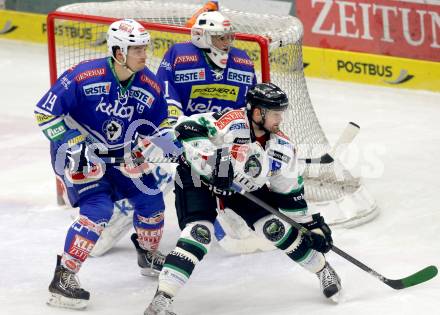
x=210 y=24
x=125 y=33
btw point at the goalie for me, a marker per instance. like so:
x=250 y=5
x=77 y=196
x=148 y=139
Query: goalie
x=241 y=147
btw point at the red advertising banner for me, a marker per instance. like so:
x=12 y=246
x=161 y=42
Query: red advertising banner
x=405 y=28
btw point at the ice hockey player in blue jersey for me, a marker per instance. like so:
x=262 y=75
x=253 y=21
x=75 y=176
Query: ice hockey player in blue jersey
x=206 y=74
x=243 y=148
x=114 y=106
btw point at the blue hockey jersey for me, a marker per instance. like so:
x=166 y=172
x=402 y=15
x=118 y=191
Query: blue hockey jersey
x=192 y=86
x=89 y=97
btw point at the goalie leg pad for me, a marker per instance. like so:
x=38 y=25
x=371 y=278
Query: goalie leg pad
x=288 y=239
x=119 y=225
x=193 y=244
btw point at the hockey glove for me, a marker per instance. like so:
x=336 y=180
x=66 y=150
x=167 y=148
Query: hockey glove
x=79 y=167
x=245 y=183
x=222 y=174
x=136 y=167
x=321 y=238
x=77 y=152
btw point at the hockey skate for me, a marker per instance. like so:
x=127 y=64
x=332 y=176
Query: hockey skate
x=330 y=282
x=150 y=262
x=65 y=290
x=161 y=305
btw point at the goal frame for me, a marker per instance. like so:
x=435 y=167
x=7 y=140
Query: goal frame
x=262 y=41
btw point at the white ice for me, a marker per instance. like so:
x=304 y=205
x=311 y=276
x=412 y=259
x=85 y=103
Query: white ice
x=397 y=152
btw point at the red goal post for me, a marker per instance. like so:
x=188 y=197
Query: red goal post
x=52 y=17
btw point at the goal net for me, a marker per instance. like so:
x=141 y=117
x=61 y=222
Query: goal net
x=77 y=32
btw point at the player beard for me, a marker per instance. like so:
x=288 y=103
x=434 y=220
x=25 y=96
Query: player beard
x=274 y=128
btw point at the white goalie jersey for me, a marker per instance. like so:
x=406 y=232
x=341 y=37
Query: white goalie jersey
x=271 y=161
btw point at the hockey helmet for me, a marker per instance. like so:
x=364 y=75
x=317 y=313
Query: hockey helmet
x=210 y=24
x=268 y=96
x=125 y=33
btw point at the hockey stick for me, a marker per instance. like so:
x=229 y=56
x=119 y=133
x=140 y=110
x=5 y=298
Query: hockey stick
x=153 y=160
x=325 y=159
x=345 y=138
x=416 y=278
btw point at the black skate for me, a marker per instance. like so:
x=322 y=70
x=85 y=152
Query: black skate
x=150 y=262
x=330 y=282
x=65 y=290
x=161 y=305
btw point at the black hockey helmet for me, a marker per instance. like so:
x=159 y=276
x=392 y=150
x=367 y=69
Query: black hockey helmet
x=267 y=95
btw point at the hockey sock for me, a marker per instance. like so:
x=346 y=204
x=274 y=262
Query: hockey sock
x=289 y=240
x=192 y=246
x=81 y=237
x=149 y=230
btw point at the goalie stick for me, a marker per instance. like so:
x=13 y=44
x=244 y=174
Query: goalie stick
x=420 y=276
x=344 y=139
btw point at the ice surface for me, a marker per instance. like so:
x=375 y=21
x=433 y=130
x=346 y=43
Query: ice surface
x=397 y=152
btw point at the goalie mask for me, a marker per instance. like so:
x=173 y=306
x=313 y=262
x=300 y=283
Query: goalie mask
x=123 y=34
x=213 y=32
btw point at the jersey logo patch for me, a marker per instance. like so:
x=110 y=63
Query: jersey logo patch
x=165 y=64
x=90 y=74
x=115 y=110
x=201 y=107
x=186 y=59
x=279 y=156
x=237 y=126
x=151 y=83
x=238 y=76
x=229 y=117
x=192 y=75
x=142 y=96
x=242 y=140
x=102 y=88
x=201 y=234
x=218 y=91
x=112 y=129
x=282 y=135
x=243 y=61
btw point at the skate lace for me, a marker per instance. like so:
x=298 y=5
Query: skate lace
x=70 y=280
x=156 y=258
x=161 y=305
x=327 y=277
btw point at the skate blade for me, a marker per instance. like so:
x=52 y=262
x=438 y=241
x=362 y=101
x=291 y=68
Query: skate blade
x=58 y=300
x=337 y=298
x=148 y=272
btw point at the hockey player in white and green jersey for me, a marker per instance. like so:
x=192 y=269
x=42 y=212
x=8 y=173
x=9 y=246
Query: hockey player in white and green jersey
x=241 y=147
